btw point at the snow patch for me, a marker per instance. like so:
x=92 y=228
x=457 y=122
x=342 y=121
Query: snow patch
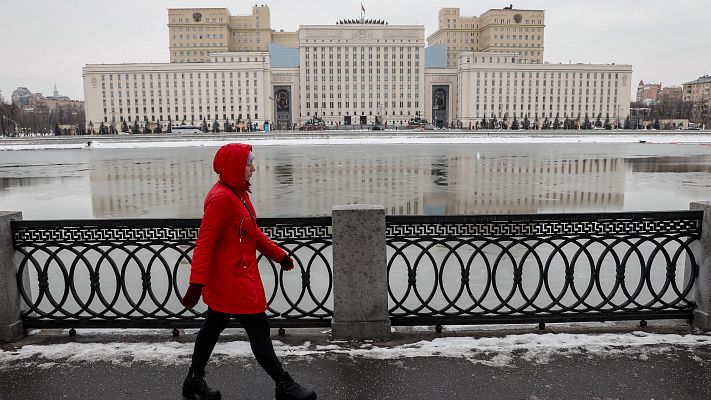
x=336 y=139
x=491 y=351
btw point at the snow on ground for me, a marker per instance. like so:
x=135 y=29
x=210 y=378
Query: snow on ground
x=492 y=351
x=342 y=139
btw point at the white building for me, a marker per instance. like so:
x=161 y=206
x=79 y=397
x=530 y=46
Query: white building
x=351 y=73
x=229 y=90
x=357 y=72
x=497 y=84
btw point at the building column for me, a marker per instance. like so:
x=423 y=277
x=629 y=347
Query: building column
x=10 y=301
x=360 y=279
x=702 y=254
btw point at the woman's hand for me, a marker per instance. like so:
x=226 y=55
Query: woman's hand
x=287 y=264
x=192 y=295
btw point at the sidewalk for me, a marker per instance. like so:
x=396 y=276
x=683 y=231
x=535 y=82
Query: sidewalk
x=563 y=362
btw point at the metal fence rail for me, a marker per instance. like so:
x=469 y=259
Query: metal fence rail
x=131 y=273
x=441 y=270
x=541 y=267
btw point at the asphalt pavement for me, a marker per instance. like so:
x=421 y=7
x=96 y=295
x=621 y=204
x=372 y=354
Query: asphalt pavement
x=677 y=373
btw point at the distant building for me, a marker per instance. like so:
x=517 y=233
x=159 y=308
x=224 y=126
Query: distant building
x=671 y=94
x=497 y=84
x=354 y=72
x=698 y=90
x=37 y=102
x=236 y=88
x=29 y=101
x=504 y=30
x=56 y=96
x=648 y=93
x=194 y=33
x=21 y=96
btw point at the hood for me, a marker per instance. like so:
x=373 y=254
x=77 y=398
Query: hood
x=230 y=163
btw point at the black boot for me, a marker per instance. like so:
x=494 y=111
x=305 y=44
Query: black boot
x=195 y=387
x=287 y=389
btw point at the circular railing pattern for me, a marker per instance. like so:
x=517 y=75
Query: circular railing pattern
x=133 y=272
x=545 y=266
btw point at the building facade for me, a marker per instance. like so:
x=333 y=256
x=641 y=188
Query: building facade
x=497 y=85
x=648 y=92
x=233 y=87
x=194 y=33
x=671 y=93
x=698 y=90
x=353 y=73
x=497 y=30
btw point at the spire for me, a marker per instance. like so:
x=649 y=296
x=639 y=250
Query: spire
x=56 y=93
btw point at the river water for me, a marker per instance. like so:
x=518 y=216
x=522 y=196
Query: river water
x=308 y=180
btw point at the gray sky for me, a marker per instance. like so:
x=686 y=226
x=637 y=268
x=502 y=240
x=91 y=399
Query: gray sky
x=49 y=41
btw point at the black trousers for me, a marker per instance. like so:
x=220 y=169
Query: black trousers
x=257 y=327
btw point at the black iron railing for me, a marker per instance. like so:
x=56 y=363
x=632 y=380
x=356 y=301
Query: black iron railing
x=541 y=267
x=132 y=273
x=441 y=270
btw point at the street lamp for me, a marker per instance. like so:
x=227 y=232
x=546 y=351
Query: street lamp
x=274 y=117
x=17 y=126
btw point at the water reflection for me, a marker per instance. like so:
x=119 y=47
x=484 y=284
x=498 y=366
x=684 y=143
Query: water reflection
x=671 y=164
x=406 y=179
x=415 y=182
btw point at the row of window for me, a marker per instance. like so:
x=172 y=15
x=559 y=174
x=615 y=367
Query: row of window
x=182 y=84
x=354 y=87
x=530 y=84
x=238 y=59
x=362 y=63
x=362 y=71
x=176 y=118
x=308 y=56
x=192 y=99
x=193 y=29
x=355 y=49
x=500 y=113
x=198 y=36
x=203 y=20
x=546 y=75
x=362 y=95
x=384 y=104
x=536 y=98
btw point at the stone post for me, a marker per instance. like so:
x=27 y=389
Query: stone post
x=702 y=254
x=360 y=279
x=10 y=301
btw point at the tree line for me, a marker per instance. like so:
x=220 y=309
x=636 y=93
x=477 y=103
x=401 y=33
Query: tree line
x=39 y=118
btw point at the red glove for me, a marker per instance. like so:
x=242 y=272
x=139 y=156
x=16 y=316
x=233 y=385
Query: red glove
x=287 y=264
x=192 y=295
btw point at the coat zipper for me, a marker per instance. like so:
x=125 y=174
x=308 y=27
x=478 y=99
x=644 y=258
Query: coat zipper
x=240 y=229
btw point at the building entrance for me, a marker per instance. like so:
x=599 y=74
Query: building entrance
x=282 y=107
x=440 y=105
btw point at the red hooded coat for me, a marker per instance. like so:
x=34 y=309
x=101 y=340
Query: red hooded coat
x=225 y=259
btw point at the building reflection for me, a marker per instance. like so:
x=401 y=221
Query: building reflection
x=675 y=164
x=309 y=182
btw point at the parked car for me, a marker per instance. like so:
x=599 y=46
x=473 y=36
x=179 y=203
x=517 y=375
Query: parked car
x=314 y=124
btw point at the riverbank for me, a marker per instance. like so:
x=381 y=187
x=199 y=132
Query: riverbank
x=350 y=137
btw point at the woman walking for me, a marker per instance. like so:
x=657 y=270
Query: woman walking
x=225 y=273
